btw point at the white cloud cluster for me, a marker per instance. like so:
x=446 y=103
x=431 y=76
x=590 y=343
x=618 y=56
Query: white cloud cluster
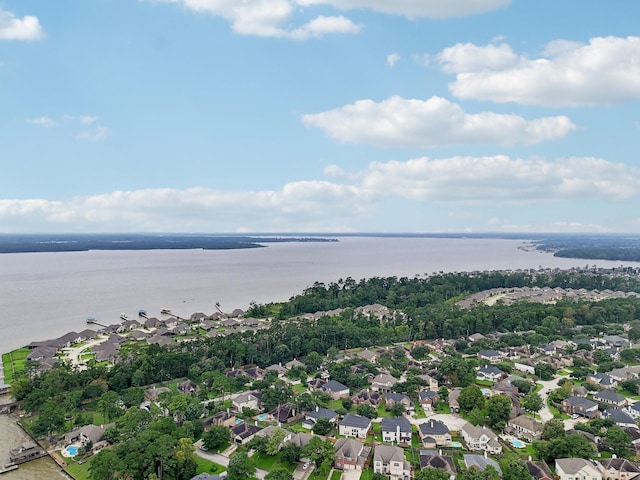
x=432 y=123
x=605 y=71
x=392 y=59
x=331 y=205
x=96 y=134
x=416 y=8
x=269 y=18
x=43 y=121
x=14 y=28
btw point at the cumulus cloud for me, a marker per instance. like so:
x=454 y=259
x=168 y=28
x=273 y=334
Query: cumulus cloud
x=416 y=8
x=604 y=71
x=319 y=205
x=88 y=119
x=43 y=121
x=269 y=18
x=432 y=123
x=503 y=179
x=392 y=59
x=14 y=28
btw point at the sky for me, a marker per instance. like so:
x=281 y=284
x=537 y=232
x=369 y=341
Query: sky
x=238 y=116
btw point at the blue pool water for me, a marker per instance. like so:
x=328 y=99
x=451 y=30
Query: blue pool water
x=517 y=443
x=72 y=450
x=456 y=444
x=262 y=417
x=486 y=392
x=239 y=421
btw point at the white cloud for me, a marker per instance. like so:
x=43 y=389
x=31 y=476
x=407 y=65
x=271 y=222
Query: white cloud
x=96 y=134
x=88 y=119
x=42 y=121
x=432 y=123
x=269 y=18
x=392 y=59
x=503 y=179
x=416 y=8
x=333 y=206
x=605 y=71
x=14 y=28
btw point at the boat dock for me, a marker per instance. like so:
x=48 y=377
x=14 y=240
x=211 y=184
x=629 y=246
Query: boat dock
x=26 y=452
x=9 y=467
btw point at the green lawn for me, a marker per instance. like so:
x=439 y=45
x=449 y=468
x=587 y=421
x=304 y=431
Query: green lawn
x=79 y=472
x=268 y=463
x=336 y=475
x=298 y=388
x=205 y=466
x=15 y=363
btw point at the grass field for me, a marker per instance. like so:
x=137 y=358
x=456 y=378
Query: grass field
x=15 y=363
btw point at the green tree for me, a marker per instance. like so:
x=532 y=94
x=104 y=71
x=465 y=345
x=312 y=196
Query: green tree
x=366 y=411
x=618 y=440
x=318 y=450
x=108 y=405
x=279 y=473
x=322 y=427
x=106 y=465
x=554 y=428
x=532 y=402
x=499 y=409
x=514 y=470
x=431 y=474
x=470 y=397
x=489 y=473
x=291 y=453
x=397 y=410
x=274 y=442
x=544 y=371
x=240 y=466
x=215 y=437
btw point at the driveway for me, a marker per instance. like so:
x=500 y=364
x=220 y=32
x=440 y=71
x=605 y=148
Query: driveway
x=454 y=422
x=351 y=475
x=547 y=385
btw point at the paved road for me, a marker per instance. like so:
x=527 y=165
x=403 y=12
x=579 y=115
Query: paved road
x=548 y=385
x=73 y=353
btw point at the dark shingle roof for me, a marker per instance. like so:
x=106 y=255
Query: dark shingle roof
x=357 y=421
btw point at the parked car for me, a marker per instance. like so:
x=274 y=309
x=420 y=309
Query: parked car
x=305 y=466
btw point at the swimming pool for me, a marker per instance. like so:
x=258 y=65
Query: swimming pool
x=456 y=444
x=517 y=443
x=262 y=417
x=485 y=391
x=72 y=450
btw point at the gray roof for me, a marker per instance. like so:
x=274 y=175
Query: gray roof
x=488 y=353
x=333 y=386
x=392 y=424
x=357 y=421
x=608 y=395
x=321 y=412
x=490 y=370
x=478 y=461
x=433 y=427
x=387 y=453
x=571 y=466
x=618 y=416
x=575 y=401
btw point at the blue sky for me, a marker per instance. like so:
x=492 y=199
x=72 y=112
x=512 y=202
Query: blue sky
x=319 y=116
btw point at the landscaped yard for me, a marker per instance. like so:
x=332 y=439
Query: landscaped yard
x=15 y=363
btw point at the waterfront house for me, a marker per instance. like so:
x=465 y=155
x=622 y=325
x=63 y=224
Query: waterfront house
x=396 y=429
x=390 y=462
x=88 y=433
x=351 y=454
x=572 y=468
x=353 y=425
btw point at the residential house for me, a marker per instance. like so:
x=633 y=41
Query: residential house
x=475 y=337
x=310 y=418
x=351 y=454
x=396 y=429
x=620 y=417
x=293 y=364
x=602 y=379
x=152 y=394
x=244 y=432
x=432 y=383
x=491 y=356
x=539 y=470
x=618 y=469
x=188 y=387
x=580 y=406
x=610 y=398
x=625 y=373
x=224 y=418
x=301 y=439
x=490 y=373
x=524 y=427
x=391 y=399
x=577 y=468
x=88 y=433
x=353 y=425
x=383 y=382
x=428 y=399
x=454 y=406
x=434 y=433
x=481 y=462
x=367 y=397
x=250 y=400
x=615 y=341
x=368 y=355
x=390 y=461
x=335 y=389
x=278 y=368
x=286 y=414
x=429 y=459
x=633 y=410
x=480 y=438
